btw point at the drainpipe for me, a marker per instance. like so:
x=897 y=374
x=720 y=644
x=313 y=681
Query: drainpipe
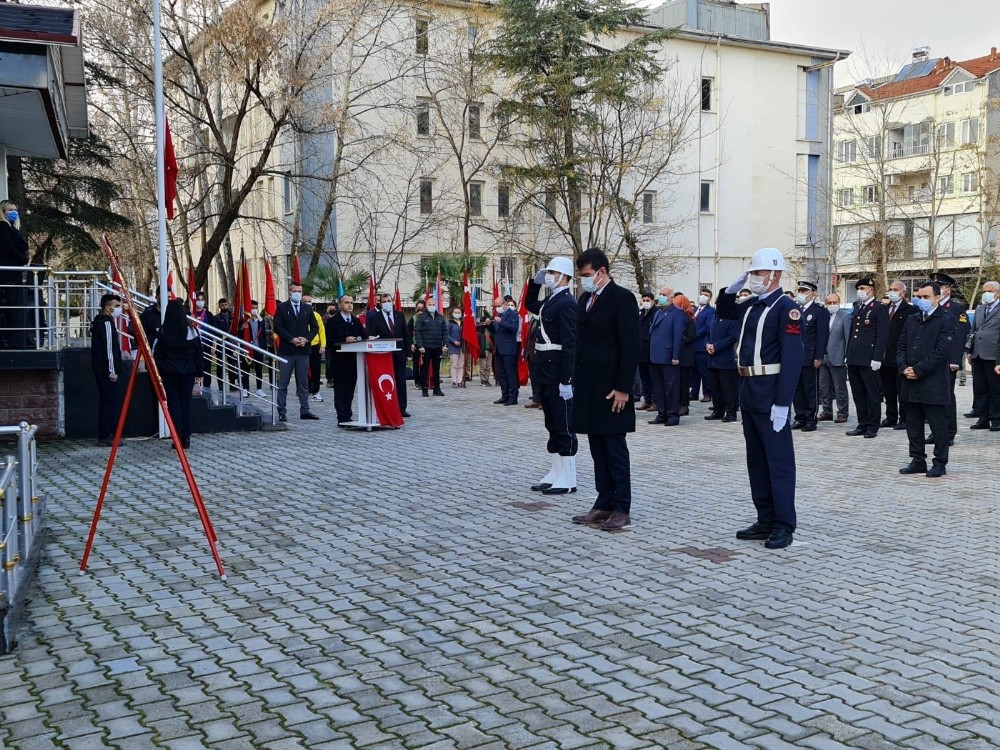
x=718 y=162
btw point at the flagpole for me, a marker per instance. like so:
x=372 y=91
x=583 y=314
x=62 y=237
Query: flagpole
x=161 y=206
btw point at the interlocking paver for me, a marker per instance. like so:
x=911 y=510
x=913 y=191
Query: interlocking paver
x=401 y=609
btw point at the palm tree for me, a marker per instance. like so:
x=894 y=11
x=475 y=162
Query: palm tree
x=323 y=283
x=452 y=267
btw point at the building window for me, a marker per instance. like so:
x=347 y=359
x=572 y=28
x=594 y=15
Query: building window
x=946 y=134
x=503 y=201
x=550 y=203
x=845 y=197
x=286 y=194
x=476 y=198
x=649 y=271
x=474 y=131
x=873 y=147
x=426 y=196
x=847 y=151
x=706 y=197
x=808 y=104
x=946 y=185
x=970 y=131
x=423 y=117
x=647 y=207
x=706 y=94
x=473 y=34
x=860 y=109
x=423 y=36
x=507 y=264
x=502 y=119
x=970 y=182
x=869 y=194
x=959 y=88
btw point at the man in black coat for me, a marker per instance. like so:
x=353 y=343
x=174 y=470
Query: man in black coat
x=387 y=323
x=892 y=380
x=345 y=328
x=106 y=361
x=647 y=311
x=295 y=325
x=924 y=357
x=606 y=357
x=865 y=352
x=960 y=313
x=815 y=333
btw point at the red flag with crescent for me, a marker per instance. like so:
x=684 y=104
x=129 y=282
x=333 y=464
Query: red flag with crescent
x=469 y=333
x=385 y=396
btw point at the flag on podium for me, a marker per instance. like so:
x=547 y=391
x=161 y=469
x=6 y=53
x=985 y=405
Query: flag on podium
x=469 y=333
x=382 y=383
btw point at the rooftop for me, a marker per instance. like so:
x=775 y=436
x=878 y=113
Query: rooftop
x=926 y=75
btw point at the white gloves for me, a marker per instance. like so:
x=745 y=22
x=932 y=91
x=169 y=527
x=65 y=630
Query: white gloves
x=540 y=277
x=876 y=365
x=779 y=417
x=565 y=391
x=737 y=285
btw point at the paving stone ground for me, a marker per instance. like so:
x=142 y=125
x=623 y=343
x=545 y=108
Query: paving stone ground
x=400 y=590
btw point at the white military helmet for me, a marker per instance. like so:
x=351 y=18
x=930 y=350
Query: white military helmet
x=561 y=264
x=767 y=259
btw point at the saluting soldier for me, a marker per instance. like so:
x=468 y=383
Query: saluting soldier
x=865 y=352
x=961 y=314
x=552 y=373
x=815 y=334
x=769 y=360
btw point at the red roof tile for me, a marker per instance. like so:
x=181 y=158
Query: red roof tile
x=977 y=66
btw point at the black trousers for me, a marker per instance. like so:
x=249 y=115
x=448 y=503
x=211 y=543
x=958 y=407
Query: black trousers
x=257 y=365
x=891 y=380
x=935 y=415
x=206 y=366
x=315 y=365
x=558 y=413
x=507 y=372
x=430 y=369
x=867 y=393
x=986 y=387
x=399 y=372
x=345 y=380
x=646 y=379
x=951 y=413
x=725 y=391
x=771 y=467
x=700 y=376
x=178 y=388
x=612 y=472
x=806 y=396
x=687 y=373
x=109 y=404
x=667 y=390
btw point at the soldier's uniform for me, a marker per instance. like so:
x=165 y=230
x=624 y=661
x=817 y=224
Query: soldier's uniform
x=865 y=351
x=961 y=314
x=815 y=334
x=555 y=358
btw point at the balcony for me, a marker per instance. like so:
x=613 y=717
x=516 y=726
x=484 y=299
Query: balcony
x=902 y=151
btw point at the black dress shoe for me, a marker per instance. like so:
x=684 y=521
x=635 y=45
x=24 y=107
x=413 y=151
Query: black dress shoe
x=936 y=471
x=929 y=440
x=658 y=420
x=684 y=412
x=855 y=432
x=971 y=415
x=980 y=426
x=779 y=538
x=405 y=413
x=712 y=416
x=672 y=422
x=498 y=401
x=798 y=425
x=871 y=434
x=541 y=486
x=914 y=467
x=995 y=428
x=729 y=418
x=559 y=491
x=754 y=531
x=809 y=427
x=509 y=403
x=900 y=426
x=307 y=415
x=438 y=392
x=424 y=393
x=888 y=423
x=282 y=417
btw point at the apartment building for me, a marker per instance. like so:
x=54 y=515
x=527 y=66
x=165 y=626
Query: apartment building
x=753 y=167
x=916 y=169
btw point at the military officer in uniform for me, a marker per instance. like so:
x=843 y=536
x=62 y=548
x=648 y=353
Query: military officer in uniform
x=769 y=362
x=815 y=333
x=865 y=352
x=552 y=374
x=960 y=311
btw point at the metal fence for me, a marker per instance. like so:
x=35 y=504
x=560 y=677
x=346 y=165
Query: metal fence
x=22 y=523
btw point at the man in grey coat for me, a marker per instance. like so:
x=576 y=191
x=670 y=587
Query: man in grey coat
x=833 y=371
x=982 y=352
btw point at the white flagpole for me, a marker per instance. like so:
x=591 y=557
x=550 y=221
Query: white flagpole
x=161 y=206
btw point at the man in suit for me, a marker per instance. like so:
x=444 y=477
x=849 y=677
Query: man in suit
x=386 y=323
x=865 y=352
x=833 y=372
x=815 y=334
x=892 y=380
x=959 y=310
x=552 y=370
x=666 y=342
x=505 y=326
x=924 y=357
x=721 y=348
x=106 y=361
x=345 y=329
x=295 y=325
x=647 y=311
x=982 y=351
x=430 y=334
x=704 y=316
x=607 y=353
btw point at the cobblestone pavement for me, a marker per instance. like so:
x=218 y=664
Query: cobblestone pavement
x=404 y=590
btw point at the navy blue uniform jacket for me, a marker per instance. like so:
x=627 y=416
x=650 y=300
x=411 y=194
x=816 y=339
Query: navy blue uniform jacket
x=558 y=316
x=722 y=336
x=815 y=333
x=781 y=343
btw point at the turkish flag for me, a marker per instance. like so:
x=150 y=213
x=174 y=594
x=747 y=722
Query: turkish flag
x=470 y=335
x=382 y=381
x=169 y=170
x=523 y=370
x=270 y=299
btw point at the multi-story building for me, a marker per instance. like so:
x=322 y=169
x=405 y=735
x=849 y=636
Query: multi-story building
x=916 y=170
x=419 y=133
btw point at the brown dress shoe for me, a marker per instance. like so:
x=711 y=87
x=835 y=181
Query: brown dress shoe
x=840 y=419
x=593 y=516
x=646 y=406
x=533 y=405
x=617 y=522
x=706 y=399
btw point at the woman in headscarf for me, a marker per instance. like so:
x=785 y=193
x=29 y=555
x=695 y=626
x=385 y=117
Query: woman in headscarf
x=687 y=352
x=180 y=359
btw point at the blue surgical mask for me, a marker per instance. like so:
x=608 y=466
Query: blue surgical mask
x=662 y=301
x=13 y=216
x=989 y=297
x=296 y=297
x=924 y=305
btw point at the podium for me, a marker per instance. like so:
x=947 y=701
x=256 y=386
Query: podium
x=364 y=406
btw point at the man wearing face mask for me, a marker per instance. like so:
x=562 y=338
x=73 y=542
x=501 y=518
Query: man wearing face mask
x=295 y=325
x=982 y=351
x=815 y=332
x=106 y=361
x=769 y=362
x=953 y=307
x=430 y=334
x=505 y=327
x=892 y=381
x=606 y=358
x=647 y=311
x=865 y=352
x=924 y=355
x=833 y=373
x=387 y=323
x=202 y=314
x=552 y=370
x=704 y=316
x=345 y=329
x=258 y=332
x=666 y=342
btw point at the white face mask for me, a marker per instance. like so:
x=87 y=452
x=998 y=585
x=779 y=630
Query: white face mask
x=588 y=284
x=116 y=312
x=552 y=280
x=457 y=316
x=742 y=299
x=255 y=313
x=989 y=297
x=801 y=299
x=200 y=304
x=757 y=284
x=894 y=296
x=296 y=297
x=862 y=295
x=703 y=300
x=647 y=305
x=833 y=308
x=387 y=307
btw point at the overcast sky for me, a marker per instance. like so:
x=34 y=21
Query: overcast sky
x=960 y=29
